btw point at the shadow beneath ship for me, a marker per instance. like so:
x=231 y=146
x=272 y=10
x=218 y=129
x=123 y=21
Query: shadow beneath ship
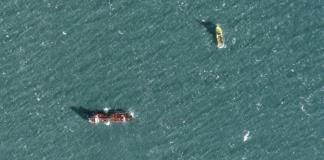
x=210 y=27
x=86 y=113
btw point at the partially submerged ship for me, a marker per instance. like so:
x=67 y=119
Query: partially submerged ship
x=110 y=116
x=219 y=36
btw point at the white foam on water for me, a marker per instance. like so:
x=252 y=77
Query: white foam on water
x=259 y=106
x=224 y=4
x=108 y=123
x=25 y=147
x=111 y=8
x=106 y=109
x=233 y=40
x=68 y=129
x=38 y=96
x=225 y=46
x=132 y=113
x=182 y=5
x=302 y=107
x=246 y=136
x=322 y=89
x=120 y=32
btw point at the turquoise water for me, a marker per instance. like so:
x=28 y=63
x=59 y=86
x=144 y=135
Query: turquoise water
x=261 y=97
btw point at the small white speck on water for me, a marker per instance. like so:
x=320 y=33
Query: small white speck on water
x=120 y=32
x=38 y=97
x=262 y=75
x=246 y=136
x=322 y=89
x=234 y=40
x=302 y=107
x=64 y=33
x=7 y=36
x=259 y=106
x=162 y=42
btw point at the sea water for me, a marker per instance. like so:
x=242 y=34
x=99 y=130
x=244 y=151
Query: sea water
x=261 y=97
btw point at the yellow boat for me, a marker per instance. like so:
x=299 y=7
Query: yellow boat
x=219 y=36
